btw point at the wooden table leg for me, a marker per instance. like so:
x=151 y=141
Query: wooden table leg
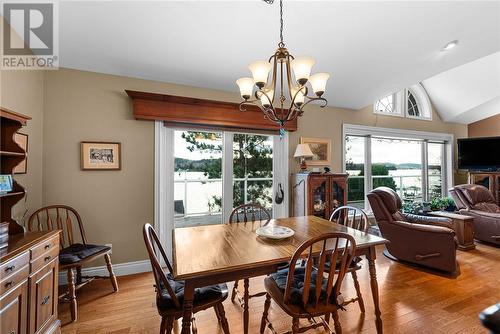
x=188 y=307
x=374 y=286
x=246 y=298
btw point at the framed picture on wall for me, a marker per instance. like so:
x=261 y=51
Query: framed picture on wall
x=100 y=155
x=22 y=140
x=322 y=150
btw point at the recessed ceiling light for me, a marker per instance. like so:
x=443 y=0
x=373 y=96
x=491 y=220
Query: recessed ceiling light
x=450 y=45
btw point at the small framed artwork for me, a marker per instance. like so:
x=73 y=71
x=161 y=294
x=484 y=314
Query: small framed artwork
x=100 y=155
x=22 y=140
x=5 y=184
x=322 y=150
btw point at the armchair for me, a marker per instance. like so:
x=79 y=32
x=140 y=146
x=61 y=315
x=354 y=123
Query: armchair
x=425 y=241
x=478 y=202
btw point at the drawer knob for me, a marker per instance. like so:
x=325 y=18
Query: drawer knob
x=8 y=284
x=10 y=268
x=47 y=258
x=45 y=300
x=47 y=246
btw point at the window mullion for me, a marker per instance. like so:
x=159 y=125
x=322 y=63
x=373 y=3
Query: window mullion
x=425 y=171
x=368 y=169
x=227 y=174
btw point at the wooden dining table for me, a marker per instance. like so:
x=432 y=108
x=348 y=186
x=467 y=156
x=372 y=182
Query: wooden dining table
x=213 y=254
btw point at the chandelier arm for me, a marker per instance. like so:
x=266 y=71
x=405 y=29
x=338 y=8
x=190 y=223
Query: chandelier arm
x=312 y=99
x=270 y=113
x=273 y=82
x=243 y=104
x=289 y=76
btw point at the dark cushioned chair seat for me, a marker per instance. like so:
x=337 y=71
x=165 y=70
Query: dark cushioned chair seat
x=280 y=278
x=78 y=252
x=354 y=263
x=201 y=295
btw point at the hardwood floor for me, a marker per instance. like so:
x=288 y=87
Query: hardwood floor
x=412 y=301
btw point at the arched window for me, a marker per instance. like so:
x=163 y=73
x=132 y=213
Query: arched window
x=411 y=102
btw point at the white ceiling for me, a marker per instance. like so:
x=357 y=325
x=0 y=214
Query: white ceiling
x=369 y=48
x=467 y=93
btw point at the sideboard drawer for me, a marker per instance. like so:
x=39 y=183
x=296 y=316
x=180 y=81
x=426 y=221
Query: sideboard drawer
x=44 y=259
x=11 y=266
x=13 y=280
x=44 y=247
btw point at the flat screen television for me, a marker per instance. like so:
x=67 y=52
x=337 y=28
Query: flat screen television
x=479 y=154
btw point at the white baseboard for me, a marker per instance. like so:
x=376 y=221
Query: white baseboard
x=120 y=269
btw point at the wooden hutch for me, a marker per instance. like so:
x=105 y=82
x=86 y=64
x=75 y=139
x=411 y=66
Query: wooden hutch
x=29 y=261
x=317 y=194
x=490 y=180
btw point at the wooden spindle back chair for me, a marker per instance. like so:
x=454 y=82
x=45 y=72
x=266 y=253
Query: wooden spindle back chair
x=352 y=217
x=75 y=251
x=250 y=212
x=356 y=218
x=308 y=268
x=58 y=217
x=162 y=283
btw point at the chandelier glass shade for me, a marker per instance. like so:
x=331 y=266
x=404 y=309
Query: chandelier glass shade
x=280 y=86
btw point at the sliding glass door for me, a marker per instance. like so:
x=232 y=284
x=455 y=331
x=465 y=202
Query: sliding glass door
x=216 y=171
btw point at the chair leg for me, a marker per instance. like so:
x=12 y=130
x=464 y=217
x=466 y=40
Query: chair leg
x=217 y=313
x=163 y=325
x=358 y=291
x=79 y=275
x=235 y=290
x=295 y=325
x=336 y=322
x=169 y=326
x=267 y=304
x=112 y=276
x=223 y=320
x=72 y=294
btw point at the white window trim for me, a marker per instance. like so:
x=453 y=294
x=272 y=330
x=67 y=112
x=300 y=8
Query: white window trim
x=398 y=104
x=369 y=131
x=423 y=103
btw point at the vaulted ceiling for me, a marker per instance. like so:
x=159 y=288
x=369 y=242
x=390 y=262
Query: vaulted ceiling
x=370 y=48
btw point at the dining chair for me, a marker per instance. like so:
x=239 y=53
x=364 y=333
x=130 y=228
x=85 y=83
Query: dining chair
x=310 y=289
x=170 y=292
x=356 y=218
x=73 y=253
x=251 y=212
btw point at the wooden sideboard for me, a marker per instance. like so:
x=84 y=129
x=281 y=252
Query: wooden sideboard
x=28 y=284
x=29 y=261
x=317 y=194
x=490 y=180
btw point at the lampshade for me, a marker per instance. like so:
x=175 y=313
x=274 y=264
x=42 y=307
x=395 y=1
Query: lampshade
x=267 y=100
x=260 y=70
x=246 y=87
x=303 y=150
x=299 y=98
x=318 y=82
x=301 y=67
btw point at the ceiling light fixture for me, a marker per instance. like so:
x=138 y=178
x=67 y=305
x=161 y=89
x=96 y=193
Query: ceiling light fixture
x=282 y=63
x=450 y=45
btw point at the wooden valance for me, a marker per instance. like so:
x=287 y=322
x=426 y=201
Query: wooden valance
x=182 y=111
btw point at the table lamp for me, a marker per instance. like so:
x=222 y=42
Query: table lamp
x=303 y=151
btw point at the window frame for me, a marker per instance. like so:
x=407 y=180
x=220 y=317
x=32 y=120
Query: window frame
x=401 y=103
x=425 y=137
x=398 y=111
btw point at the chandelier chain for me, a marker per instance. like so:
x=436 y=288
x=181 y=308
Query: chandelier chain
x=281 y=23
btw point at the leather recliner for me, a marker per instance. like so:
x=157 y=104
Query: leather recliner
x=422 y=240
x=478 y=202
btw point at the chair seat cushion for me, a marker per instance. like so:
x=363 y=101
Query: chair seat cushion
x=352 y=265
x=280 y=278
x=201 y=295
x=78 y=252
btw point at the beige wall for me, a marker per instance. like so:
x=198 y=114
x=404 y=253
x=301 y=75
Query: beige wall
x=488 y=127
x=114 y=205
x=23 y=92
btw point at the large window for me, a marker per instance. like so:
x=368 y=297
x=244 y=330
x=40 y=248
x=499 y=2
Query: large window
x=216 y=171
x=414 y=164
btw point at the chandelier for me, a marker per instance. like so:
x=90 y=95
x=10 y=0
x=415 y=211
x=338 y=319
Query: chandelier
x=271 y=96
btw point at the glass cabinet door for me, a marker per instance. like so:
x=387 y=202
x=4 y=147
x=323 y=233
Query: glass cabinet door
x=319 y=197
x=337 y=196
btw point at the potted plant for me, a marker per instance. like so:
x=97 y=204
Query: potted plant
x=444 y=203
